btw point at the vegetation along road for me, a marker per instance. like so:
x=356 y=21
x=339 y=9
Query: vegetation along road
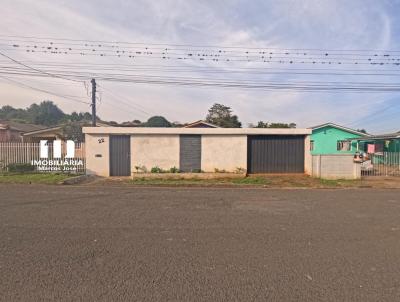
x=110 y=243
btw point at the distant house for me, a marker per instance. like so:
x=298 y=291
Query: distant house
x=389 y=142
x=11 y=131
x=51 y=133
x=331 y=138
x=200 y=124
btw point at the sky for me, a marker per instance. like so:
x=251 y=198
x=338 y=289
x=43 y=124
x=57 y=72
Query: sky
x=308 y=24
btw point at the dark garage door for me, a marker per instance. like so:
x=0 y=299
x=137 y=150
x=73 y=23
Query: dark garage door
x=120 y=155
x=275 y=154
x=190 y=153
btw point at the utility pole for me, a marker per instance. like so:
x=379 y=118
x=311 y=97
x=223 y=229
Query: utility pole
x=93 y=102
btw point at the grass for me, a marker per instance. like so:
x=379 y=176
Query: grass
x=32 y=178
x=201 y=182
x=270 y=181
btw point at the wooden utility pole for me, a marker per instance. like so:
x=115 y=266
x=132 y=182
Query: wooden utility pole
x=93 y=102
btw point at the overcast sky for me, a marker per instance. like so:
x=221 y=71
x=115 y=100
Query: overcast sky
x=321 y=24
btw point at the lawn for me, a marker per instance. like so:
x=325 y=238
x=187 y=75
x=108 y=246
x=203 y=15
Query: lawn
x=273 y=181
x=33 y=178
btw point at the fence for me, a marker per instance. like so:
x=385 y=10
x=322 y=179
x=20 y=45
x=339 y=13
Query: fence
x=335 y=166
x=381 y=164
x=29 y=153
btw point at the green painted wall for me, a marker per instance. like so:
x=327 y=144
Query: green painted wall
x=326 y=138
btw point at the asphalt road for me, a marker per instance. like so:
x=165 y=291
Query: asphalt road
x=66 y=243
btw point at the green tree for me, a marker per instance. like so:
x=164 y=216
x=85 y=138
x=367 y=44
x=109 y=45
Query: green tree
x=221 y=116
x=46 y=113
x=73 y=131
x=262 y=124
x=157 y=121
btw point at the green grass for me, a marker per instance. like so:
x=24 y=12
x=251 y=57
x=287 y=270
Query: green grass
x=34 y=178
x=202 y=182
x=275 y=181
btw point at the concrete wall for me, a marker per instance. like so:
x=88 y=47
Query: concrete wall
x=97 y=154
x=223 y=152
x=335 y=166
x=307 y=156
x=154 y=150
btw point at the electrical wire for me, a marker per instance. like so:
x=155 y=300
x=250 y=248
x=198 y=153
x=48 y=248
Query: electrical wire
x=23 y=85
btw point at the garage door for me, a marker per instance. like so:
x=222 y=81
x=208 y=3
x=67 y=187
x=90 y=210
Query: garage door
x=275 y=154
x=120 y=155
x=190 y=153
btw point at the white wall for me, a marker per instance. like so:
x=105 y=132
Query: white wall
x=154 y=150
x=223 y=152
x=97 y=154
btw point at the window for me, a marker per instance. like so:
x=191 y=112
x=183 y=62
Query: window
x=343 y=146
x=311 y=145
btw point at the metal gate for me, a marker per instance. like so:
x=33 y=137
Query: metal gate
x=275 y=154
x=381 y=164
x=120 y=155
x=190 y=153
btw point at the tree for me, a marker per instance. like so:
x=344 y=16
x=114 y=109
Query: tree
x=221 y=116
x=73 y=131
x=157 y=121
x=262 y=124
x=362 y=131
x=45 y=113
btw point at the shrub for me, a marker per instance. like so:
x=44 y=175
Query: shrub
x=156 y=170
x=20 y=168
x=240 y=170
x=174 y=170
x=142 y=169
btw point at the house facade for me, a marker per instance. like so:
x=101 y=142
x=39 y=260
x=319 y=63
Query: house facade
x=11 y=131
x=331 y=138
x=117 y=151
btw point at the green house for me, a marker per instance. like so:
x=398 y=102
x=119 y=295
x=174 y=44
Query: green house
x=389 y=142
x=331 y=138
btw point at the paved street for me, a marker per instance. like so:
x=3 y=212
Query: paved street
x=97 y=243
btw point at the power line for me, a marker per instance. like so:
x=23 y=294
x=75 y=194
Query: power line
x=23 y=85
x=193 y=45
x=35 y=69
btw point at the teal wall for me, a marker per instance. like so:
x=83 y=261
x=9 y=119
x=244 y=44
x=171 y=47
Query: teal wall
x=326 y=138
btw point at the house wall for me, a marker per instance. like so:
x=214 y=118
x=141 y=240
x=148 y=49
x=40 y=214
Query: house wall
x=307 y=155
x=154 y=150
x=223 y=152
x=97 y=154
x=9 y=135
x=326 y=138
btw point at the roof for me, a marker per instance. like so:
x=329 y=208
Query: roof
x=341 y=128
x=210 y=131
x=21 y=127
x=56 y=128
x=395 y=135
x=200 y=124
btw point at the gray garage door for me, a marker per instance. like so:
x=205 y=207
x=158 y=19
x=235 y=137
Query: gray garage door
x=190 y=153
x=120 y=155
x=275 y=154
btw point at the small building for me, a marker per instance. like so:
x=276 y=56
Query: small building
x=120 y=151
x=11 y=131
x=200 y=124
x=389 y=142
x=331 y=138
x=51 y=133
